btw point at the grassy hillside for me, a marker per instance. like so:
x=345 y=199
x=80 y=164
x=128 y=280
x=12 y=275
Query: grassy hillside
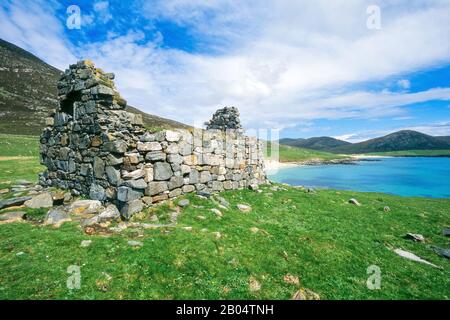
x=397 y=141
x=19 y=158
x=294 y=154
x=316 y=143
x=320 y=239
x=415 y=153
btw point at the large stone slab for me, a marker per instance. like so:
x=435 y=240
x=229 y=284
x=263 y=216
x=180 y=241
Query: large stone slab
x=43 y=200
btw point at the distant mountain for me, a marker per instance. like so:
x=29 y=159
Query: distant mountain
x=317 y=143
x=397 y=141
x=28 y=92
x=447 y=139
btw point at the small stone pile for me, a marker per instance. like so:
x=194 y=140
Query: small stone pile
x=223 y=119
x=93 y=147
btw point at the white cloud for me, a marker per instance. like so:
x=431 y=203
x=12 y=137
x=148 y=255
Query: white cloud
x=279 y=62
x=102 y=9
x=434 y=129
x=404 y=84
x=34 y=28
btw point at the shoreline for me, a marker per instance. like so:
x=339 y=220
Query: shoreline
x=349 y=160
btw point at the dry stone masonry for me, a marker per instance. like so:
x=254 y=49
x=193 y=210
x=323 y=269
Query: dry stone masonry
x=225 y=118
x=93 y=147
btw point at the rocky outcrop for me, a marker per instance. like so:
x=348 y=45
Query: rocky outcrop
x=93 y=147
x=225 y=118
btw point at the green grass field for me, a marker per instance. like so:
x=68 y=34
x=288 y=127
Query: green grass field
x=318 y=237
x=19 y=158
x=414 y=153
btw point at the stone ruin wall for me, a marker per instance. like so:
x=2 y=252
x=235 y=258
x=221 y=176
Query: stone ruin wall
x=93 y=147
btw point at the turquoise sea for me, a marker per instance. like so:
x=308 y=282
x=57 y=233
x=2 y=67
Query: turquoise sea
x=423 y=177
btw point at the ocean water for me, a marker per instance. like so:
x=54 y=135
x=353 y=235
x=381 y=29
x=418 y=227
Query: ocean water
x=423 y=177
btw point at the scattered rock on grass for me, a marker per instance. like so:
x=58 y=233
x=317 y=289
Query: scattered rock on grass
x=217 y=212
x=305 y=294
x=56 y=217
x=291 y=279
x=183 y=203
x=13 y=202
x=386 y=209
x=204 y=194
x=85 y=207
x=4 y=191
x=415 y=237
x=134 y=243
x=411 y=256
x=254 y=284
x=85 y=243
x=244 y=207
x=12 y=216
x=23 y=182
x=111 y=213
x=442 y=252
x=354 y=202
x=222 y=201
x=43 y=200
x=254 y=229
x=446 y=232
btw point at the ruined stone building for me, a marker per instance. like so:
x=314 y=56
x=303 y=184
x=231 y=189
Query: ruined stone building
x=93 y=147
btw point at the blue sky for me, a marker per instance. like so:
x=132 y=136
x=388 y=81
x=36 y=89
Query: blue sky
x=307 y=68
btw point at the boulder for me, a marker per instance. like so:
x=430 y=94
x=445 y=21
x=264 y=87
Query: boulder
x=354 y=202
x=244 y=207
x=13 y=202
x=85 y=243
x=442 y=252
x=183 y=203
x=43 y=200
x=85 y=207
x=12 y=216
x=415 y=237
x=109 y=214
x=56 y=217
x=132 y=207
x=134 y=243
x=305 y=294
